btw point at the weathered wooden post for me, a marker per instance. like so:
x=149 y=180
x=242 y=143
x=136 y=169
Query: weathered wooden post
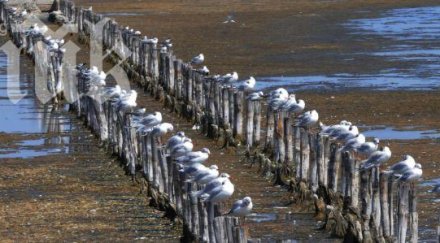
x=413 y=215
x=305 y=154
x=402 y=213
x=257 y=123
x=238 y=115
x=385 y=214
x=249 y=122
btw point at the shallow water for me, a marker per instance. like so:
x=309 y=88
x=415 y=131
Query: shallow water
x=405 y=133
x=411 y=51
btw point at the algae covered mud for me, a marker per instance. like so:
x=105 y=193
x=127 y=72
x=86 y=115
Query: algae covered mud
x=56 y=183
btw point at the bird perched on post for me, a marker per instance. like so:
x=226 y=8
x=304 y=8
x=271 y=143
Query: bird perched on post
x=162 y=129
x=241 y=208
x=229 y=78
x=247 y=85
x=255 y=96
x=182 y=149
x=368 y=148
x=308 y=119
x=203 y=177
x=217 y=182
x=376 y=159
x=197 y=60
x=194 y=157
x=220 y=193
x=401 y=167
x=412 y=174
x=175 y=140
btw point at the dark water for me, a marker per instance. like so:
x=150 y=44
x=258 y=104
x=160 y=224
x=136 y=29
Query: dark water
x=407 y=42
x=406 y=133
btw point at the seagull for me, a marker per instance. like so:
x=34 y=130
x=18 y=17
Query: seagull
x=204 y=70
x=291 y=100
x=354 y=143
x=194 y=157
x=182 y=149
x=162 y=129
x=229 y=19
x=256 y=96
x=412 y=174
x=376 y=159
x=368 y=148
x=403 y=166
x=127 y=101
x=247 y=85
x=197 y=60
x=219 y=193
x=346 y=135
x=298 y=107
x=148 y=121
x=205 y=176
x=308 y=118
x=175 y=140
x=241 y=208
x=196 y=168
x=217 y=182
x=334 y=129
x=229 y=78
x=277 y=98
x=112 y=92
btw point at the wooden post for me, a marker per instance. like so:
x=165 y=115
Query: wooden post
x=288 y=141
x=249 y=122
x=402 y=213
x=257 y=123
x=238 y=114
x=413 y=215
x=376 y=208
x=270 y=129
x=225 y=94
x=366 y=208
x=305 y=154
x=385 y=214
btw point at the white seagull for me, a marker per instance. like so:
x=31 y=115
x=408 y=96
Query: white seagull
x=247 y=85
x=256 y=96
x=162 y=129
x=194 y=157
x=220 y=193
x=217 y=182
x=368 y=148
x=203 y=177
x=241 y=208
x=175 y=140
x=376 y=159
x=412 y=174
x=403 y=166
x=229 y=78
x=182 y=149
x=308 y=118
x=197 y=60
x=354 y=143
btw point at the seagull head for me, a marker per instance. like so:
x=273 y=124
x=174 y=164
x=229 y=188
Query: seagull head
x=180 y=134
x=247 y=200
x=376 y=141
x=213 y=167
x=418 y=166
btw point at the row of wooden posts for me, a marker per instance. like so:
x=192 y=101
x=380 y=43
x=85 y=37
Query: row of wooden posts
x=372 y=205
x=166 y=185
x=368 y=205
